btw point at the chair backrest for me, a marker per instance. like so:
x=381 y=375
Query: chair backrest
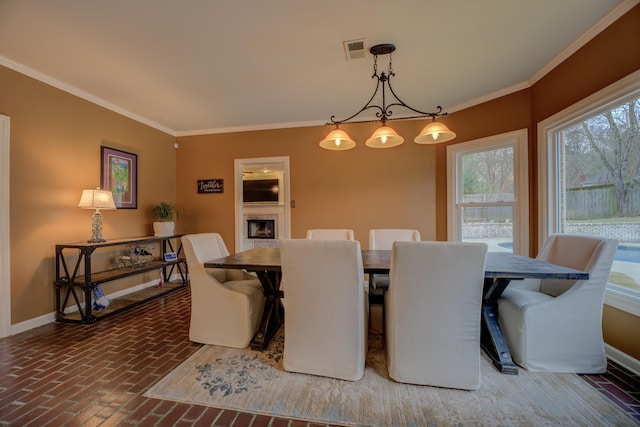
x=203 y=247
x=383 y=238
x=432 y=313
x=325 y=327
x=330 y=234
x=591 y=254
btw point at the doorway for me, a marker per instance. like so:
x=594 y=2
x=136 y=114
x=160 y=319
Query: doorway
x=253 y=210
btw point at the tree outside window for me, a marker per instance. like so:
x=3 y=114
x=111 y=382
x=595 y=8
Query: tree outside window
x=599 y=182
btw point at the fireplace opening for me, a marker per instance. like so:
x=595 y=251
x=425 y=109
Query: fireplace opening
x=261 y=229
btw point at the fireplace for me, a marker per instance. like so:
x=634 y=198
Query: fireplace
x=261 y=228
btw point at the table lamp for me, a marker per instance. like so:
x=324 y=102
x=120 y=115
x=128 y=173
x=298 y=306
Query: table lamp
x=96 y=199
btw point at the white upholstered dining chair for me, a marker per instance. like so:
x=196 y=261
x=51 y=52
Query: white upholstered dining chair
x=432 y=313
x=226 y=304
x=326 y=313
x=382 y=239
x=330 y=234
x=554 y=325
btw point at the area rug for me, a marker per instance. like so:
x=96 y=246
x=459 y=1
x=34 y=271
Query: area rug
x=255 y=382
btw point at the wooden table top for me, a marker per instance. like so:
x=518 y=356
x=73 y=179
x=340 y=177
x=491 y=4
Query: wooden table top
x=498 y=264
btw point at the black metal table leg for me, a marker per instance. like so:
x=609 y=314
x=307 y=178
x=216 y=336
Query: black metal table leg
x=491 y=338
x=493 y=343
x=273 y=314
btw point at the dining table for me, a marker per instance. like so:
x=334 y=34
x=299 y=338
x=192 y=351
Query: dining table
x=500 y=269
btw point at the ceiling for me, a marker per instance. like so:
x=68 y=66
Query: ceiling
x=208 y=66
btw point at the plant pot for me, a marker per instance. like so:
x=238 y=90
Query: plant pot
x=163 y=228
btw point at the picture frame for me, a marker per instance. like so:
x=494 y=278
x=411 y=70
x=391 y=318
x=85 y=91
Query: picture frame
x=119 y=174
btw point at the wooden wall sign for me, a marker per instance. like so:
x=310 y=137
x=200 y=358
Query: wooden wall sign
x=210 y=186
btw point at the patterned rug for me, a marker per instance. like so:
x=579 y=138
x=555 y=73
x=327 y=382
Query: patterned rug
x=254 y=381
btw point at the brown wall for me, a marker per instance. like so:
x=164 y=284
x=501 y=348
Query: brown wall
x=620 y=330
x=611 y=55
x=361 y=188
x=405 y=186
x=55 y=153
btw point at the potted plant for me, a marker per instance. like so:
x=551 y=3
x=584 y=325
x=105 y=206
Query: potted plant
x=163 y=215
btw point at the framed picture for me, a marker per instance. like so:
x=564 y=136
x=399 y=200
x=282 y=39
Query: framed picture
x=119 y=173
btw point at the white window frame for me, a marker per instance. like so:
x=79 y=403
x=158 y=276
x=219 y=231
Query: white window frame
x=548 y=212
x=519 y=141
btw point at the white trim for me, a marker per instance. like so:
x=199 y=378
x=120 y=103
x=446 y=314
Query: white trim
x=519 y=141
x=548 y=219
x=607 y=20
x=489 y=97
x=5 y=227
x=592 y=32
x=51 y=317
x=36 y=322
x=23 y=69
x=585 y=38
x=623 y=359
x=617 y=297
x=239 y=206
x=546 y=128
x=246 y=128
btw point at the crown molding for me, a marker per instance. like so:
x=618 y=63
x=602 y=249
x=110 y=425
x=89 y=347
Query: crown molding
x=606 y=21
x=44 y=78
x=596 y=29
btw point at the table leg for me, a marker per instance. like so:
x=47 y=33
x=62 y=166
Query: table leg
x=273 y=314
x=493 y=343
x=492 y=340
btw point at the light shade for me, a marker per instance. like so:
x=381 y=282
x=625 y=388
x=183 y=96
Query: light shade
x=95 y=198
x=337 y=140
x=434 y=133
x=384 y=137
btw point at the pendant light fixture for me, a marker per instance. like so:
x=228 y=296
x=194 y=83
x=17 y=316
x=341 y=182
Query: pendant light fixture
x=434 y=133
x=337 y=140
x=385 y=136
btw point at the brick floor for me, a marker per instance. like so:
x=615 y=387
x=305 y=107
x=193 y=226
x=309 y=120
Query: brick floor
x=68 y=375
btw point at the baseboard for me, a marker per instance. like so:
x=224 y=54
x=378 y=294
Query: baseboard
x=623 y=359
x=51 y=317
x=32 y=323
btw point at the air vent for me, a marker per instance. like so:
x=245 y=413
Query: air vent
x=354 y=49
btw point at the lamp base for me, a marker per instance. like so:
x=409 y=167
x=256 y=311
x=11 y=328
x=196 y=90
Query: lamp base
x=96 y=228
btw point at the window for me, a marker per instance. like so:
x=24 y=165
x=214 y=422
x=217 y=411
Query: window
x=488 y=192
x=589 y=179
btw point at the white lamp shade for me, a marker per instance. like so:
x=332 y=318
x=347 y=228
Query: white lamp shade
x=384 y=137
x=94 y=198
x=337 y=140
x=434 y=133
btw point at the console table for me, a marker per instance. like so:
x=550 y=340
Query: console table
x=69 y=283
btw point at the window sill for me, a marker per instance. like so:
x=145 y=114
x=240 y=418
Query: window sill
x=622 y=299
